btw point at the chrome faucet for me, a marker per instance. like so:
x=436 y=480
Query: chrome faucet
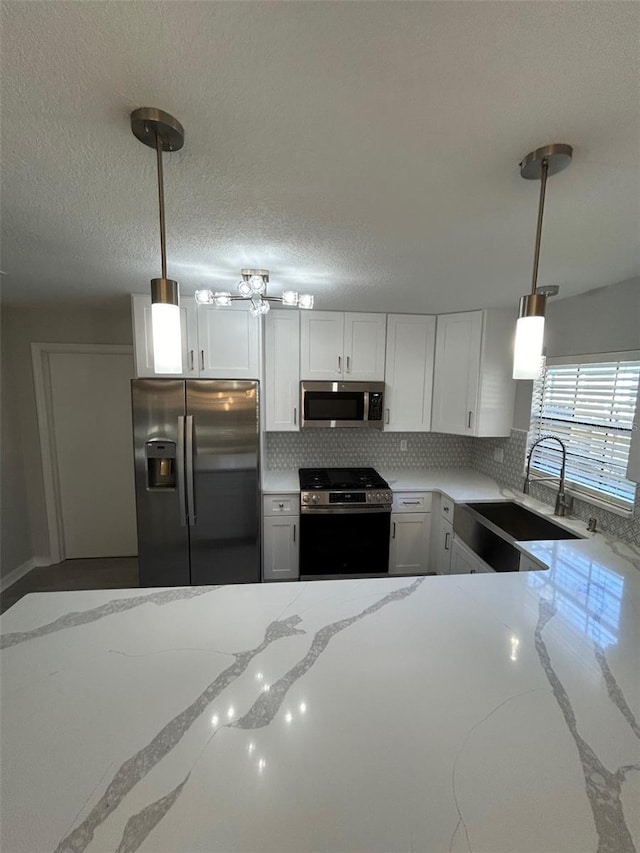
x=563 y=502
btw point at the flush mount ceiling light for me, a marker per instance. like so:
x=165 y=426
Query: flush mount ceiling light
x=253 y=288
x=163 y=132
x=539 y=164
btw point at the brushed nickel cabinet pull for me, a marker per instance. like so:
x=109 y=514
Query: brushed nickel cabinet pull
x=191 y=359
x=201 y=359
x=386 y=416
x=294 y=533
x=394 y=531
x=348 y=364
x=339 y=364
x=295 y=416
x=446 y=541
x=469 y=421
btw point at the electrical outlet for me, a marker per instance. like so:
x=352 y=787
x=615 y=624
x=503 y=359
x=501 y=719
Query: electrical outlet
x=498 y=455
x=403 y=444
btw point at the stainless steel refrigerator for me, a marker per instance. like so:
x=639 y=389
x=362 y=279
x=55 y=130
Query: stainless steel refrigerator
x=196 y=452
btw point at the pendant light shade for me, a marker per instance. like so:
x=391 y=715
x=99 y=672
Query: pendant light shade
x=163 y=132
x=165 y=325
x=527 y=356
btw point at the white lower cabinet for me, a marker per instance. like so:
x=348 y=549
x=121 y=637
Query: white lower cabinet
x=410 y=532
x=281 y=537
x=443 y=547
x=465 y=562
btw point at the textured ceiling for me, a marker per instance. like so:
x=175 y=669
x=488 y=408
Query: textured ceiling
x=366 y=152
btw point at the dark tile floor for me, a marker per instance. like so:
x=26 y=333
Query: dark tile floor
x=103 y=573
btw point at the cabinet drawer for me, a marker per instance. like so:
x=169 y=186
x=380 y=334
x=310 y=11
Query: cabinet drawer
x=411 y=502
x=281 y=504
x=446 y=508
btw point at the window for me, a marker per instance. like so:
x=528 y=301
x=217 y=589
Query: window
x=590 y=405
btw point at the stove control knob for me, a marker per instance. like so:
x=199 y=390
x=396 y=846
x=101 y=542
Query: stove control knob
x=305 y=499
x=315 y=498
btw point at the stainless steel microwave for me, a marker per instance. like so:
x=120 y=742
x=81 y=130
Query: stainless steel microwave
x=342 y=404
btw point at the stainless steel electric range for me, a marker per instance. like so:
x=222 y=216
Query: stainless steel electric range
x=345 y=516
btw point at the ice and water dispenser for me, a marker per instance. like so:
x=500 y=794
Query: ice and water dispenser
x=161 y=463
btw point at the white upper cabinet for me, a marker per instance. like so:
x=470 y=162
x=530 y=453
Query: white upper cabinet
x=473 y=392
x=228 y=342
x=336 y=347
x=143 y=337
x=409 y=372
x=321 y=345
x=282 y=371
x=364 y=347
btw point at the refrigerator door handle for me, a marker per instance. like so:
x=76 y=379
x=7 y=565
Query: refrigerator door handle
x=182 y=498
x=191 y=504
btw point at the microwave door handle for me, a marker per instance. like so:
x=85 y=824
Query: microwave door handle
x=365 y=414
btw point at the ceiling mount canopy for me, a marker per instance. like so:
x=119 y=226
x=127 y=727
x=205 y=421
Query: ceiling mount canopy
x=537 y=165
x=163 y=132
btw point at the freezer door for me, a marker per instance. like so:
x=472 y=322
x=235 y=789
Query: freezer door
x=222 y=427
x=158 y=442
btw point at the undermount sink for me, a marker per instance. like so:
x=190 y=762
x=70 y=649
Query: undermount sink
x=492 y=529
x=520 y=523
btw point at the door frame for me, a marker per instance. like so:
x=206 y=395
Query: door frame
x=40 y=353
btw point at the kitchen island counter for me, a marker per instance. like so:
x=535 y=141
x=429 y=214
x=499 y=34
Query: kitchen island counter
x=480 y=712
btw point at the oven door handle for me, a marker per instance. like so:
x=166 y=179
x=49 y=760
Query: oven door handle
x=344 y=510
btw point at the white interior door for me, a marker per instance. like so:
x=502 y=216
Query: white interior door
x=91 y=407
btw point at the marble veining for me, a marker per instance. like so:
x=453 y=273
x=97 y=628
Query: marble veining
x=267 y=704
x=116 y=605
x=603 y=787
x=615 y=693
x=141 y=824
x=137 y=767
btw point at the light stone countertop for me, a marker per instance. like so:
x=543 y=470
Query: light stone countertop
x=487 y=712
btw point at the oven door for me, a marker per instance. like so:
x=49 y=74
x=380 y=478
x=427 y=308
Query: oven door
x=345 y=541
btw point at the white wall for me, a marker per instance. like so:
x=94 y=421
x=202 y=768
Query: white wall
x=23 y=522
x=602 y=320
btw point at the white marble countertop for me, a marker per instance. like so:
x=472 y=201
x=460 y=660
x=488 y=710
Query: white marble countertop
x=488 y=712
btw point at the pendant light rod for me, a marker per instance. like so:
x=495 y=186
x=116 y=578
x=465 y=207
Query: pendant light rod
x=544 y=171
x=163 y=235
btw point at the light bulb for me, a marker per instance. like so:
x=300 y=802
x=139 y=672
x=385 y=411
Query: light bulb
x=204 y=297
x=167 y=338
x=527 y=358
x=257 y=284
x=244 y=288
x=289 y=297
x=305 y=300
x=222 y=299
x=258 y=307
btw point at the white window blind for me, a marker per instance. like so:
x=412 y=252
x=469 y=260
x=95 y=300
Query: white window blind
x=590 y=406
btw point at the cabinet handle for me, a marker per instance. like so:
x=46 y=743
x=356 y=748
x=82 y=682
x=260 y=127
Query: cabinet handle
x=473 y=572
x=386 y=416
x=469 y=420
x=295 y=416
x=191 y=358
x=339 y=364
x=281 y=506
x=348 y=364
x=201 y=359
x=294 y=533
x=393 y=536
x=445 y=508
x=446 y=541
x=411 y=503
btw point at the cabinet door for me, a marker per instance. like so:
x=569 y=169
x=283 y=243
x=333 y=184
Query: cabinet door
x=282 y=371
x=364 y=347
x=228 y=343
x=321 y=345
x=465 y=562
x=409 y=372
x=280 y=548
x=445 y=541
x=457 y=373
x=143 y=337
x=409 y=546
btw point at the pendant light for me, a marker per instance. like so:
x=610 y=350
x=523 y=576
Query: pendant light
x=537 y=165
x=163 y=132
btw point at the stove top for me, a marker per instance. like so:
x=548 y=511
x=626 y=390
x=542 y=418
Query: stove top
x=336 y=479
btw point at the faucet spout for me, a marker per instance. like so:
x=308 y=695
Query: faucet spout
x=563 y=502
